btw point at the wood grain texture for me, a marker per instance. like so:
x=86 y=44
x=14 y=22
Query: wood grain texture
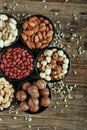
x=74 y=117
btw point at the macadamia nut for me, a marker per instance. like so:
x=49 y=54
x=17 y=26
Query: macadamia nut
x=48 y=71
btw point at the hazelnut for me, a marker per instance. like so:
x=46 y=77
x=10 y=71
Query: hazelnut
x=25 y=86
x=53 y=61
x=55 y=55
x=33 y=91
x=60 y=58
x=24 y=106
x=32 y=102
x=41 y=84
x=45 y=101
x=41 y=58
x=44 y=92
x=58 y=68
x=34 y=109
x=21 y=95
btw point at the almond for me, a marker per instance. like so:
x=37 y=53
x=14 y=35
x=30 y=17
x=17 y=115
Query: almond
x=25 y=25
x=28 y=33
x=49 y=39
x=36 y=39
x=41 y=18
x=49 y=33
x=46 y=21
x=44 y=42
x=44 y=34
x=40 y=35
x=50 y=26
x=32 y=24
x=32 y=38
x=47 y=29
x=35 y=29
x=38 y=20
x=33 y=18
x=42 y=24
x=30 y=44
x=38 y=45
x=44 y=45
x=42 y=28
x=24 y=36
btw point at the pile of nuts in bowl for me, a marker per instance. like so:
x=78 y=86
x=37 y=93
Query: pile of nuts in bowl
x=37 y=32
x=33 y=96
x=6 y=93
x=53 y=64
x=8 y=30
x=16 y=63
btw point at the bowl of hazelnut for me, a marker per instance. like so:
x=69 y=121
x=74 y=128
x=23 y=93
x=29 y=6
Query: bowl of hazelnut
x=33 y=96
x=37 y=32
x=6 y=94
x=9 y=30
x=53 y=64
x=17 y=63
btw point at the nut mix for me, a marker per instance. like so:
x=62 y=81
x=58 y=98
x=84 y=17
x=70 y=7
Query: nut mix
x=8 y=30
x=53 y=64
x=16 y=63
x=33 y=96
x=37 y=32
x=6 y=93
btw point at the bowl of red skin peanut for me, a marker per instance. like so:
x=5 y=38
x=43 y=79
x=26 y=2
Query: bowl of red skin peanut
x=37 y=32
x=16 y=63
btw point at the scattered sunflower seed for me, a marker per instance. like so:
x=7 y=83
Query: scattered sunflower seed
x=26 y=118
x=54 y=128
x=45 y=7
x=56 y=13
x=14 y=117
x=30 y=119
x=66 y=1
x=43 y=0
x=68 y=24
x=29 y=126
x=74 y=55
x=38 y=129
x=66 y=105
x=75 y=85
x=0 y=119
x=75 y=73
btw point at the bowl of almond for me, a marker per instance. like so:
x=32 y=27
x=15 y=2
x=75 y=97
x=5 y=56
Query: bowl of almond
x=9 y=30
x=53 y=64
x=37 y=32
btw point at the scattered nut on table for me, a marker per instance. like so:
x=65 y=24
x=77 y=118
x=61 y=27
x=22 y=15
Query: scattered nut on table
x=6 y=93
x=8 y=30
x=53 y=64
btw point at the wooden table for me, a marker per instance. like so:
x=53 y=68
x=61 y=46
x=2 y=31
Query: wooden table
x=71 y=19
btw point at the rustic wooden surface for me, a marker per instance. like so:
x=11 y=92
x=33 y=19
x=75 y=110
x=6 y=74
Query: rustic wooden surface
x=74 y=117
